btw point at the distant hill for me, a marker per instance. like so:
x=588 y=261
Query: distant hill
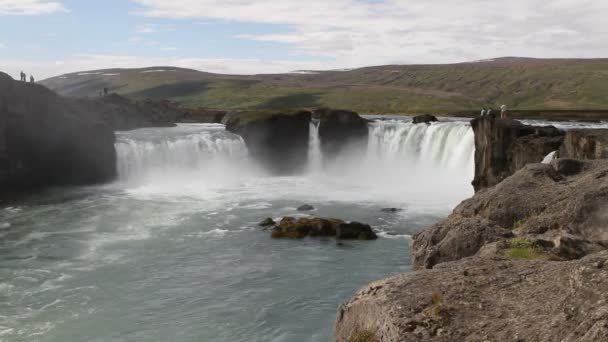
x=521 y=83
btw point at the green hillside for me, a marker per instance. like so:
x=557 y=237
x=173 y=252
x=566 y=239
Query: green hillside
x=521 y=83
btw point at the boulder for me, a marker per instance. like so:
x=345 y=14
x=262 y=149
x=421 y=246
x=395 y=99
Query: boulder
x=503 y=146
x=585 y=144
x=306 y=207
x=391 y=210
x=341 y=129
x=46 y=140
x=278 y=140
x=566 y=200
x=425 y=118
x=484 y=299
x=355 y=231
x=293 y=228
x=267 y=223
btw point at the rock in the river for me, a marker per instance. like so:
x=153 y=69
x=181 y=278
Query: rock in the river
x=267 y=223
x=504 y=146
x=484 y=299
x=293 y=228
x=278 y=140
x=46 y=140
x=355 y=231
x=564 y=201
x=425 y=118
x=306 y=207
x=585 y=144
x=341 y=129
x=391 y=210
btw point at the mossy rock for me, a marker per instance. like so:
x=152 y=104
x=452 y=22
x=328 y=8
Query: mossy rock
x=293 y=228
x=525 y=249
x=363 y=336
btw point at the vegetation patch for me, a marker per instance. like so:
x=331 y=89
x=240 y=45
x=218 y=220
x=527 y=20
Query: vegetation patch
x=522 y=248
x=438 y=309
x=363 y=336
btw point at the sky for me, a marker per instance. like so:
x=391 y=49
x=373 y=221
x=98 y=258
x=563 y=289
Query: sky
x=52 y=37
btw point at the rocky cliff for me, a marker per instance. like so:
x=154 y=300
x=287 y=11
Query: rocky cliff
x=46 y=140
x=524 y=260
x=341 y=129
x=484 y=299
x=505 y=146
x=278 y=140
x=585 y=144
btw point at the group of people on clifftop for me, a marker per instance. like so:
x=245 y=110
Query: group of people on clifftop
x=488 y=112
x=24 y=77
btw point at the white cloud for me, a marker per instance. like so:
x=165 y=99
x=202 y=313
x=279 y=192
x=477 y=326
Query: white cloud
x=30 y=7
x=357 y=32
x=2 y=46
x=147 y=28
x=169 y=48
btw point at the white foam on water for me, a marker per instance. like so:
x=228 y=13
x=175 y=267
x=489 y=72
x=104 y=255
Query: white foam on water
x=549 y=158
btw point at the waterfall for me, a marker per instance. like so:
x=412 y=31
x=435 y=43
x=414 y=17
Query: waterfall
x=171 y=152
x=315 y=157
x=445 y=145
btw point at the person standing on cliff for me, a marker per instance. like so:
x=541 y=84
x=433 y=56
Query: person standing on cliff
x=32 y=79
x=22 y=76
x=503 y=111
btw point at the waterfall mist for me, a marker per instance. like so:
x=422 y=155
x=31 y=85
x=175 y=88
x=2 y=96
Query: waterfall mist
x=402 y=164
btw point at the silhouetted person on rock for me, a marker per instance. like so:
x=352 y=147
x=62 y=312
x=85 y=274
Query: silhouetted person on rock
x=32 y=79
x=22 y=76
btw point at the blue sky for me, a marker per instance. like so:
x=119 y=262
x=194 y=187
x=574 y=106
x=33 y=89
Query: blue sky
x=50 y=37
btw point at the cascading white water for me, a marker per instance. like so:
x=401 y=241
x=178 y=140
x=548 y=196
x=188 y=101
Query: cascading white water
x=401 y=162
x=315 y=157
x=168 y=152
x=448 y=145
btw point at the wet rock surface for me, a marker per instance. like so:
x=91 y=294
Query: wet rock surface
x=341 y=129
x=300 y=228
x=426 y=118
x=278 y=140
x=306 y=207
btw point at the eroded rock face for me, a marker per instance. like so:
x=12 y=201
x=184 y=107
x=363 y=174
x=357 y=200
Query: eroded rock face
x=567 y=199
x=279 y=141
x=46 y=140
x=504 y=146
x=341 y=129
x=485 y=299
x=585 y=144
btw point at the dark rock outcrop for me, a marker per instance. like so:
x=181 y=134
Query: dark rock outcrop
x=504 y=146
x=122 y=114
x=585 y=144
x=564 y=201
x=278 y=140
x=306 y=207
x=293 y=228
x=484 y=299
x=46 y=140
x=341 y=129
x=425 y=118
x=269 y=222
